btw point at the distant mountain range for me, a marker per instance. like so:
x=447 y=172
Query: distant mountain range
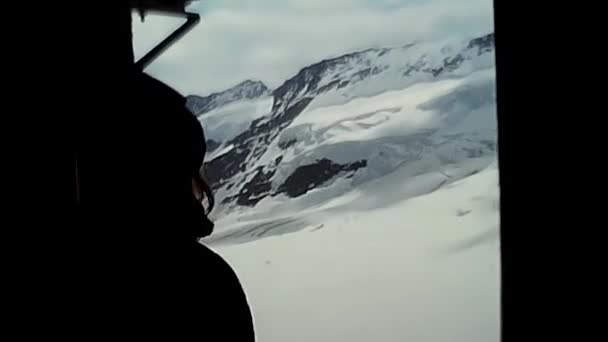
x=347 y=120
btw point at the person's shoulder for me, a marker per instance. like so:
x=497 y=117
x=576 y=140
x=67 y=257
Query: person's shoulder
x=209 y=263
x=226 y=296
x=209 y=259
x=203 y=253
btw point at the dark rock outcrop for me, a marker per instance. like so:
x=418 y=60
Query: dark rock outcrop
x=483 y=44
x=287 y=144
x=212 y=145
x=256 y=189
x=311 y=176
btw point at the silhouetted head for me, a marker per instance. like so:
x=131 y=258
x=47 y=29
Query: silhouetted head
x=171 y=150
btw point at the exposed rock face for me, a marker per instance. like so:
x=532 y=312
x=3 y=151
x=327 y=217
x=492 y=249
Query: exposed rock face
x=311 y=176
x=247 y=173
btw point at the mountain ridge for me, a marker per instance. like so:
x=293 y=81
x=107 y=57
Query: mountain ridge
x=248 y=89
x=252 y=161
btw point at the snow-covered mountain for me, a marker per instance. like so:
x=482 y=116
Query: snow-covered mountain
x=345 y=121
x=246 y=90
x=359 y=200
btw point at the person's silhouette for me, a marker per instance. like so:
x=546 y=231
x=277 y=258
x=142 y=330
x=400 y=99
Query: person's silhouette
x=164 y=280
x=139 y=267
x=106 y=241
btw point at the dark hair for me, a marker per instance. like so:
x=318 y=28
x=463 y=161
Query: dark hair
x=203 y=187
x=203 y=226
x=197 y=151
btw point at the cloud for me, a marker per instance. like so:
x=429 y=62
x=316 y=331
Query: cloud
x=271 y=40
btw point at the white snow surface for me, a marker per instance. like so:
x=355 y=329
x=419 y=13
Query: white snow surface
x=224 y=123
x=405 y=250
x=387 y=69
x=423 y=126
x=423 y=101
x=419 y=269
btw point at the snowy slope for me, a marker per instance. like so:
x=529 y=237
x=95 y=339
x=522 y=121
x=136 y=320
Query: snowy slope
x=224 y=123
x=280 y=216
x=395 y=127
x=373 y=71
x=424 y=126
x=424 y=269
x=355 y=118
x=359 y=202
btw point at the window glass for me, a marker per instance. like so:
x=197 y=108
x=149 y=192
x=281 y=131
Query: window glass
x=352 y=152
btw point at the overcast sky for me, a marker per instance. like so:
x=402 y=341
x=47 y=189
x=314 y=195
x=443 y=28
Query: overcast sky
x=271 y=40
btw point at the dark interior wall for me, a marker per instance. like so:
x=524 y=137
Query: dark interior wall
x=66 y=96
